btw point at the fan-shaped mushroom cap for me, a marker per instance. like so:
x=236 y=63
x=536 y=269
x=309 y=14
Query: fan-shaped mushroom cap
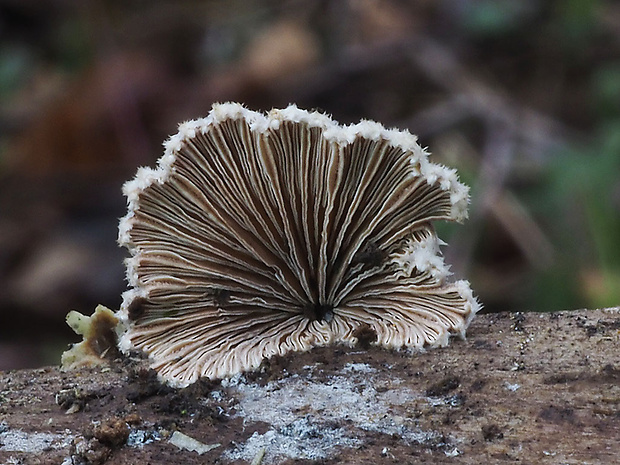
x=263 y=234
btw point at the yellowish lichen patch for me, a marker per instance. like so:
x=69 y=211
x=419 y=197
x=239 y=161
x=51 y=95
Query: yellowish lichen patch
x=100 y=339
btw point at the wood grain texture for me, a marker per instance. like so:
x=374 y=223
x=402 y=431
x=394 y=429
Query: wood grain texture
x=523 y=388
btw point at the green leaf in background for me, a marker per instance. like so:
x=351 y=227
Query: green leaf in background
x=583 y=189
x=15 y=66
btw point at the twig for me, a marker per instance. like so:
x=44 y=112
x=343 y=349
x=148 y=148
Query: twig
x=525 y=232
x=474 y=97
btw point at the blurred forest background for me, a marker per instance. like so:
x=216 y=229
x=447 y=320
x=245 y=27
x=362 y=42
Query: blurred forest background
x=523 y=97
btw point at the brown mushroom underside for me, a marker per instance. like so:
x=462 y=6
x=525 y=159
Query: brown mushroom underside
x=259 y=235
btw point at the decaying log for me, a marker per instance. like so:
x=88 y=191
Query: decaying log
x=526 y=388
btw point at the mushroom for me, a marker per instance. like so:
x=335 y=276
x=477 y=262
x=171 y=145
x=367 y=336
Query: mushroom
x=99 y=344
x=260 y=234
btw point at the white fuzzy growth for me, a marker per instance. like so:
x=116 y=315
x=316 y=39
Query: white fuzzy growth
x=273 y=124
x=471 y=304
x=418 y=155
x=293 y=114
x=459 y=197
x=340 y=135
x=448 y=181
x=369 y=130
x=423 y=256
x=415 y=168
x=132 y=270
x=296 y=115
x=144 y=178
x=262 y=124
x=174 y=143
x=166 y=161
x=124 y=229
x=464 y=289
x=442 y=340
x=223 y=111
x=448 y=178
x=404 y=140
x=432 y=172
x=189 y=129
x=124 y=341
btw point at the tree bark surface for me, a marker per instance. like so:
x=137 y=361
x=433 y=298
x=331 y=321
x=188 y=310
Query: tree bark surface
x=522 y=388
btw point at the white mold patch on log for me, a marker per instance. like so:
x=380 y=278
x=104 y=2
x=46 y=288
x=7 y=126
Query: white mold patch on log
x=316 y=420
x=16 y=440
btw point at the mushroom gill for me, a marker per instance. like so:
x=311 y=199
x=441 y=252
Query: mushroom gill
x=263 y=234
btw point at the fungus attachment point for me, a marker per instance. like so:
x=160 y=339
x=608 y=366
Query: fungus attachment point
x=259 y=234
x=319 y=312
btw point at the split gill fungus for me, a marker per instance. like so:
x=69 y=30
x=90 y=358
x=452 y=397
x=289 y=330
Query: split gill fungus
x=260 y=234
